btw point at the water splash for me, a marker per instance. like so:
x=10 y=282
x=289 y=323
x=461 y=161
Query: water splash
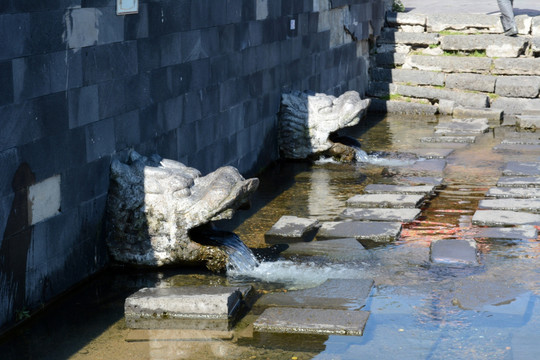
x=241 y=258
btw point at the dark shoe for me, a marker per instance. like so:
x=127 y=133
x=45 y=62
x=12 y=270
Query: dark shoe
x=511 y=32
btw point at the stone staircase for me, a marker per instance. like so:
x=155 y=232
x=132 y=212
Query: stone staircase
x=458 y=65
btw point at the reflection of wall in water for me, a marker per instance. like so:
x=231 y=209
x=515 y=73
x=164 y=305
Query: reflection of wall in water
x=322 y=201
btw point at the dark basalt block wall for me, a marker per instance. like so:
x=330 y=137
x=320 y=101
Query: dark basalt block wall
x=198 y=81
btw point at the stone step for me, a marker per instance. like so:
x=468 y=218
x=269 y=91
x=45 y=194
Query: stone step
x=473 y=82
x=472 y=23
x=414 y=77
x=423 y=180
x=391 y=200
x=494 y=116
x=523 y=232
x=494 y=45
x=449 y=139
x=454 y=252
x=347 y=249
x=517 y=168
x=423 y=168
x=401 y=107
x=378 y=214
x=519 y=181
x=517 y=193
x=515 y=106
x=449 y=64
x=462 y=127
x=504 y=218
x=405 y=18
x=390 y=36
x=378 y=232
x=522 y=138
x=517 y=148
x=519 y=66
x=290 y=229
x=399 y=189
x=529 y=122
x=437 y=153
x=527 y=205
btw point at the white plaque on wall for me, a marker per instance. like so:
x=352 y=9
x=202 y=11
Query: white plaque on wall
x=124 y=7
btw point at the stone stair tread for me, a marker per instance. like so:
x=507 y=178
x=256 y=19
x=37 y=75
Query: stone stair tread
x=518 y=86
x=516 y=66
x=464 y=22
x=512 y=192
x=386 y=200
x=423 y=180
x=449 y=64
x=504 y=218
x=518 y=168
x=527 y=205
x=435 y=153
x=390 y=36
x=405 y=18
x=494 y=45
x=417 y=77
x=474 y=82
x=449 y=139
x=381 y=214
x=522 y=138
x=373 y=231
x=401 y=107
x=519 y=181
x=517 y=148
x=528 y=121
x=289 y=229
x=494 y=116
x=312 y=321
x=399 y=189
x=463 y=126
x=434 y=93
x=522 y=232
x=515 y=106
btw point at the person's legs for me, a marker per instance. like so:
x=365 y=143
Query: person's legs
x=507 y=12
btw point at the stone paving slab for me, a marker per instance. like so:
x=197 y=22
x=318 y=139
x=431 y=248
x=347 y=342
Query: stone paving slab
x=517 y=148
x=417 y=77
x=528 y=121
x=399 y=189
x=400 y=37
x=312 y=321
x=385 y=201
x=523 y=232
x=427 y=166
x=516 y=168
x=337 y=294
x=475 y=82
x=374 y=231
x=454 y=251
x=523 y=138
x=528 y=205
x=289 y=229
x=504 y=218
x=519 y=66
x=438 y=153
x=449 y=139
x=464 y=22
x=462 y=127
x=495 y=45
x=433 y=93
x=494 y=116
x=401 y=107
x=405 y=18
x=448 y=64
x=347 y=249
x=518 y=86
x=519 y=181
x=362 y=214
x=192 y=307
x=517 y=193
x=423 y=180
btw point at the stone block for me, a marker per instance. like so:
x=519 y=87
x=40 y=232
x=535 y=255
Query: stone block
x=518 y=86
x=454 y=252
x=107 y=62
x=523 y=232
x=517 y=168
x=519 y=181
x=527 y=205
x=494 y=116
x=6 y=78
x=191 y=45
x=84 y=183
x=83 y=106
x=112 y=98
x=517 y=193
x=378 y=214
x=431 y=166
x=82 y=27
x=127 y=130
x=399 y=189
x=524 y=24
x=66 y=70
x=494 y=45
x=312 y=321
x=438 y=153
x=504 y=218
x=290 y=229
x=100 y=140
x=110 y=26
x=528 y=121
x=405 y=18
x=432 y=93
x=535 y=27
x=519 y=66
x=136 y=25
x=535 y=46
x=462 y=127
x=517 y=148
x=530 y=138
x=372 y=231
x=424 y=180
x=475 y=82
x=401 y=107
x=391 y=200
x=9 y=161
x=446 y=107
x=170 y=49
x=449 y=64
x=18 y=45
x=44 y=199
x=515 y=106
x=417 y=77
x=413 y=39
x=390 y=59
x=337 y=294
x=31 y=77
x=472 y=23
x=339 y=250
x=191 y=307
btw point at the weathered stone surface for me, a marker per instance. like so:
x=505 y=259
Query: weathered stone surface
x=426 y=92
x=153 y=203
x=528 y=205
x=312 y=321
x=446 y=107
x=453 y=251
x=518 y=233
x=373 y=231
x=347 y=249
x=192 y=307
x=517 y=148
x=464 y=22
x=423 y=180
x=495 y=45
x=399 y=189
x=378 y=214
x=449 y=139
x=535 y=27
x=414 y=39
x=462 y=127
x=518 y=86
x=528 y=121
x=405 y=18
x=338 y=294
x=173 y=335
x=494 y=116
x=412 y=28
x=517 y=193
x=535 y=46
x=519 y=181
x=520 y=66
x=524 y=24
x=513 y=106
x=401 y=107
x=292 y=229
x=450 y=64
x=307 y=120
x=417 y=77
x=431 y=166
x=390 y=59
x=488 y=296
x=504 y=218
x=475 y=82
x=529 y=138
x=385 y=201
x=380 y=89
x=517 y=168
x=437 y=51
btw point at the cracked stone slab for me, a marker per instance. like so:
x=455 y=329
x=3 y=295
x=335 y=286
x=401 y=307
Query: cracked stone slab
x=528 y=205
x=462 y=127
x=438 y=153
x=448 y=64
x=312 y=321
x=386 y=200
x=528 y=121
x=454 y=251
x=464 y=22
x=360 y=230
x=517 y=193
x=475 y=82
x=377 y=214
x=192 y=307
x=504 y=233
x=494 y=116
x=504 y=218
x=519 y=181
x=399 y=189
x=516 y=168
x=347 y=249
x=337 y=294
x=518 y=86
x=289 y=229
x=400 y=37
x=495 y=45
x=449 y=139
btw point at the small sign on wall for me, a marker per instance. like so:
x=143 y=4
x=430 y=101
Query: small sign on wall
x=125 y=7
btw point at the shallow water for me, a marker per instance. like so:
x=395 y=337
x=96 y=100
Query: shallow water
x=418 y=310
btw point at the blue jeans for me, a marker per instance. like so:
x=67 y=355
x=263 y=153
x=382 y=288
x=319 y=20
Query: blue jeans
x=507 y=12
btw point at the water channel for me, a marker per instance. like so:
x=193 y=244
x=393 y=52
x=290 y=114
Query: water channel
x=418 y=310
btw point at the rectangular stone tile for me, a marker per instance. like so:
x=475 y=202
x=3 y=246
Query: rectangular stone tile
x=517 y=193
x=347 y=249
x=337 y=294
x=400 y=37
x=438 y=153
x=531 y=122
x=385 y=201
x=518 y=86
x=494 y=45
x=516 y=168
x=454 y=252
x=312 y=321
x=527 y=138
x=520 y=232
x=462 y=127
x=401 y=107
x=405 y=18
x=417 y=77
x=402 y=215
x=290 y=229
x=423 y=180
x=529 y=205
x=373 y=231
x=517 y=148
x=464 y=22
x=519 y=181
x=519 y=66
x=434 y=93
x=449 y=64
x=504 y=217
x=399 y=189
x=494 y=116
x=475 y=82
x=449 y=139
